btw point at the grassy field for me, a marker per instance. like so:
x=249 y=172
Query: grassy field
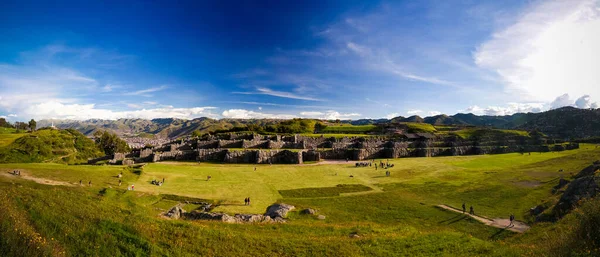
x=394 y=216
x=414 y=127
x=9 y=135
x=337 y=135
x=347 y=128
x=471 y=132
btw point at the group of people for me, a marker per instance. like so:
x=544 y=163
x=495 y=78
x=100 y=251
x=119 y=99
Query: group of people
x=472 y=212
x=247 y=201
x=16 y=172
x=154 y=182
x=464 y=208
x=81 y=183
x=363 y=164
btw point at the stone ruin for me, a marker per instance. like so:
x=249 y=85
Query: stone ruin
x=297 y=149
x=275 y=213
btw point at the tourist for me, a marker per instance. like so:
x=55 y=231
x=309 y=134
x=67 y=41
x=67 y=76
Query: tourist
x=471 y=211
x=208 y=178
x=464 y=208
x=512 y=218
x=248 y=200
x=254 y=168
x=119 y=182
x=90 y=183
x=80 y=182
x=163 y=180
x=132 y=187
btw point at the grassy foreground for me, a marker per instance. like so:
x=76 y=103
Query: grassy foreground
x=394 y=216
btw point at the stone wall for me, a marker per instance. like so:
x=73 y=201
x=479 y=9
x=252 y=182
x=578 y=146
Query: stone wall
x=311 y=156
x=211 y=155
x=244 y=156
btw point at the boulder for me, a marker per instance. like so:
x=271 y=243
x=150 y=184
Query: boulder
x=561 y=183
x=309 y=211
x=175 y=212
x=581 y=188
x=200 y=215
x=321 y=217
x=252 y=218
x=279 y=210
x=588 y=171
x=537 y=210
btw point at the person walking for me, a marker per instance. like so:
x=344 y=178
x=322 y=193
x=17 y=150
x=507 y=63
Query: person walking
x=471 y=211
x=464 y=208
x=512 y=218
x=248 y=200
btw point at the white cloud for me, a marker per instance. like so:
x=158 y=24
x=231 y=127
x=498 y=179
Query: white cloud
x=109 y=88
x=3 y=117
x=413 y=112
x=434 y=113
x=553 y=48
x=267 y=91
x=145 y=92
x=392 y=115
x=246 y=114
x=12 y=115
x=509 y=109
x=360 y=50
x=57 y=110
x=583 y=102
x=260 y=108
x=329 y=115
x=134 y=106
x=560 y=101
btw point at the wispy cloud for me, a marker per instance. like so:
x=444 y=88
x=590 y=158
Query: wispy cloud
x=413 y=112
x=146 y=92
x=267 y=91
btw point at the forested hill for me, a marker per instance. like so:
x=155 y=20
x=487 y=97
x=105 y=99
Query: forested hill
x=566 y=122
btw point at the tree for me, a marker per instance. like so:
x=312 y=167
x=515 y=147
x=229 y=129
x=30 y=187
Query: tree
x=32 y=124
x=110 y=143
x=4 y=123
x=21 y=125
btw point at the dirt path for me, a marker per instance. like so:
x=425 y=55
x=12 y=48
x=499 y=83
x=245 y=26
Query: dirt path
x=44 y=181
x=518 y=227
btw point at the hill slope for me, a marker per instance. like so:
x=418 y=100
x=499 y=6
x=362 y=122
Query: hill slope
x=50 y=145
x=566 y=122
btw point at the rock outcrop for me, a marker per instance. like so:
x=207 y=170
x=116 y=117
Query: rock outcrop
x=279 y=210
x=275 y=214
x=175 y=213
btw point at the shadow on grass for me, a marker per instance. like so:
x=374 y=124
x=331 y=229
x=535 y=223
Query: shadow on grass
x=501 y=232
x=454 y=219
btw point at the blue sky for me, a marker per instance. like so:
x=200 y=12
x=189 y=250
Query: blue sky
x=284 y=59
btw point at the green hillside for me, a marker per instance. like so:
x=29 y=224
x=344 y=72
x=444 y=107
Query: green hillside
x=47 y=145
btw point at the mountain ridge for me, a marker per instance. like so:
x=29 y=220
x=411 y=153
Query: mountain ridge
x=565 y=122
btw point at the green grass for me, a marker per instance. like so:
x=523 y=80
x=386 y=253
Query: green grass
x=48 y=145
x=337 y=135
x=323 y=191
x=414 y=127
x=9 y=135
x=396 y=218
x=348 y=129
x=475 y=132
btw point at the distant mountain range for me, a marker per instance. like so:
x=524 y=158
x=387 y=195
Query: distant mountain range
x=566 y=122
